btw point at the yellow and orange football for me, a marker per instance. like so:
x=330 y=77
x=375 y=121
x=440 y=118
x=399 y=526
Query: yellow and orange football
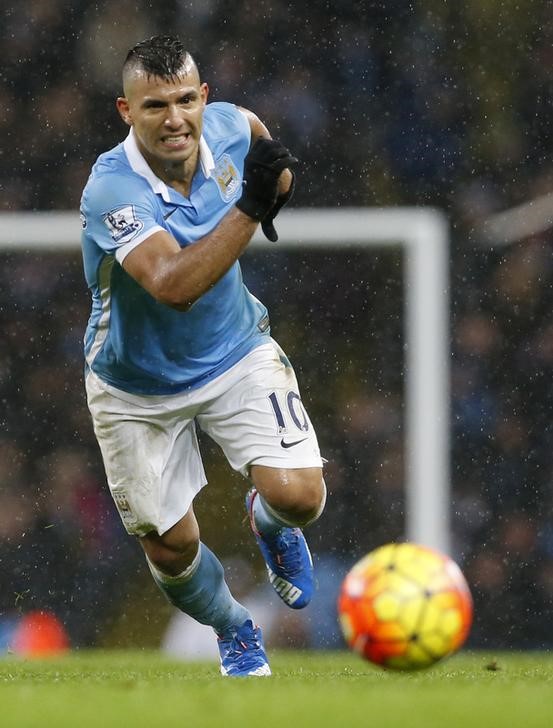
x=405 y=606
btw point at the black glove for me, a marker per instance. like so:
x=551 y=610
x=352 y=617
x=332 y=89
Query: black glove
x=262 y=168
x=267 y=222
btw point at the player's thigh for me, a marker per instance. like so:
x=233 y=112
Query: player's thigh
x=151 y=457
x=259 y=419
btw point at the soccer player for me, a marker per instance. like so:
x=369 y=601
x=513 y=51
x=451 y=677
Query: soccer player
x=175 y=340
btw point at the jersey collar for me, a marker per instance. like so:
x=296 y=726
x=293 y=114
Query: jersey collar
x=141 y=166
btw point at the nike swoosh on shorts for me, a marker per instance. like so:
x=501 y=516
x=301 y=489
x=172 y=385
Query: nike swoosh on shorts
x=291 y=444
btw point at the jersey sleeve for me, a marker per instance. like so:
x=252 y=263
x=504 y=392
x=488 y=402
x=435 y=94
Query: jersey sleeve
x=243 y=123
x=228 y=121
x=119 y=212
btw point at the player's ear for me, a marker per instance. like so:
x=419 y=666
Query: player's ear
x=123 y=108
x=204 y=92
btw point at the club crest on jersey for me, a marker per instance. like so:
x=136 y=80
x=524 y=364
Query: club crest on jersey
x=123 y=224
x=227 y=178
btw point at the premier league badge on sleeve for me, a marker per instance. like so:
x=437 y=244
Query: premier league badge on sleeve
x=123 y=224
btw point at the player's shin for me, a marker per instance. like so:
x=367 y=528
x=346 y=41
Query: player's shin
x=202 y=592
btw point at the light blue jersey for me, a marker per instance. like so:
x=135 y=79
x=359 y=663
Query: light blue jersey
x=132 y=341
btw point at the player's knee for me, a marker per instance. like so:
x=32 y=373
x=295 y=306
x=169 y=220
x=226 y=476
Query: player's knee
x=311 y=501
x=175 y=550
x=301 y=497
x=171 y=560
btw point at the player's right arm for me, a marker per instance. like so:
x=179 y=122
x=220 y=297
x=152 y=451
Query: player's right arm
x=178 y=276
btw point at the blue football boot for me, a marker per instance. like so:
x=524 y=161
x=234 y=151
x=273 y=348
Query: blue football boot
x=288 y=561
x=243 y=654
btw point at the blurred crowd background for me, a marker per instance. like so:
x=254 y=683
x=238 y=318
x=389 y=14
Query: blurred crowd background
x=385 y=103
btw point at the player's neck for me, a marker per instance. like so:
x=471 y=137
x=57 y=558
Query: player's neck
x=177 y=175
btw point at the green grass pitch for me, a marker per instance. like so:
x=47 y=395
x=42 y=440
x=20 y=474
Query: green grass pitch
x=94 y=689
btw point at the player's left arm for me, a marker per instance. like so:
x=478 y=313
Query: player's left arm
x=258 y=130
x=286 y=182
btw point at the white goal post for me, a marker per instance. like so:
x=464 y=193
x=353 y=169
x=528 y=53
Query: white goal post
x=423 y=234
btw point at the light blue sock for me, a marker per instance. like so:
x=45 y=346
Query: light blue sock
x=203 y=594
x=267 y=521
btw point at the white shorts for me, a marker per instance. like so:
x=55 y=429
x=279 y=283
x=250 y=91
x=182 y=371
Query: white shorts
x=149 y=444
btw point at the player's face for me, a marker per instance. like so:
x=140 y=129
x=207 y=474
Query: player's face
x=166 y=115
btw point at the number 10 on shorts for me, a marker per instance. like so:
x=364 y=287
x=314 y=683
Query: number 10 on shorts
x=293 y=407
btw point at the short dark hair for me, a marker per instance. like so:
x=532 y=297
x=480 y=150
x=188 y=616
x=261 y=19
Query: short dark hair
x=162 y=55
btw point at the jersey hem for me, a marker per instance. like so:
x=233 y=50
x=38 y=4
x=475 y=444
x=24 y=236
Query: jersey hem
x=164 y=390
